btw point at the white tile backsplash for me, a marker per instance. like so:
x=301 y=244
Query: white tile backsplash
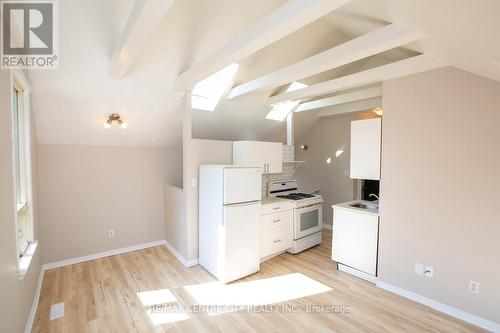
x=288 y=153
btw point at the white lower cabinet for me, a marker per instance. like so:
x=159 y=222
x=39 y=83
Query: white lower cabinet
x=276 y=230
x=355 y=238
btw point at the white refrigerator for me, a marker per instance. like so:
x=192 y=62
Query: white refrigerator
x=229 y=220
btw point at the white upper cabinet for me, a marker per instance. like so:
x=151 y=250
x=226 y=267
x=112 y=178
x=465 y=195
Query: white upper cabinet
x=266 y=155
x=366 y=137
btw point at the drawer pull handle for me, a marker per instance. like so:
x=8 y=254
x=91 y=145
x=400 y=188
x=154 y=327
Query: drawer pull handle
x=276 y=208
x=277 y=241
x=276 y=221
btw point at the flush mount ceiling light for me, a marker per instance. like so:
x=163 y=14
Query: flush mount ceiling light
x=378 y=111
x=115 y=117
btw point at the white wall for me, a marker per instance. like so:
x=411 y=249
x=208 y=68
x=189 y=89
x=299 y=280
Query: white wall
x=175 y=219
x=440 y=189
x=16 y=295
x=87 y=190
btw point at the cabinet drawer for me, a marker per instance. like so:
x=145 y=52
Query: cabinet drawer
x=276 y=220
x=276 y=207
x=275 y=241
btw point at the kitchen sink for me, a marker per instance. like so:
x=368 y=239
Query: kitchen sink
x=365 y=206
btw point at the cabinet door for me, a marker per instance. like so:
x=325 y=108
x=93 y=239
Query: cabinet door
x=266 y=155
x=274 y=157
x=355 y=238
x=249 y=153
x=365 y=149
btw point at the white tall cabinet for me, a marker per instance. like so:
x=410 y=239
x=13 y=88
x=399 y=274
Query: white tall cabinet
x=266 y=155
x=366 y=139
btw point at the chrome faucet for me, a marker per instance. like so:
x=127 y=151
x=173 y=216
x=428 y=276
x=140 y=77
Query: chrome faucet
x=374 y=195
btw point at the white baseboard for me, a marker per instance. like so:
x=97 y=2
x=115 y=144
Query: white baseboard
x=100 y=255
x=327 y=226
x=449 y=310
x=357 y=273
x=180 y=257
x=34 y=306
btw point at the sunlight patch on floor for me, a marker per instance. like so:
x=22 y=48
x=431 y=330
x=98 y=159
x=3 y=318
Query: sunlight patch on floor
x=259 y=292
x=161 y=306
x=154 y=297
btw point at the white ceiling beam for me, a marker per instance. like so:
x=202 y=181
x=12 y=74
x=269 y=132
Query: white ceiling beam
x=416 y=64
x=288 y=18
x=143 y=21
x=378 y=41
x=341 y=99
x=369 y=104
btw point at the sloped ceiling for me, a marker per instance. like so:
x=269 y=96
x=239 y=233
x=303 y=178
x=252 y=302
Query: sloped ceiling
x=72 y=102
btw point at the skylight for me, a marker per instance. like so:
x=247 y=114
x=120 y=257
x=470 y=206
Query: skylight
x=207 y=93
x=281 y=110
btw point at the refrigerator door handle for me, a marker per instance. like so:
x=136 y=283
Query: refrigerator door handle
x=242 y=204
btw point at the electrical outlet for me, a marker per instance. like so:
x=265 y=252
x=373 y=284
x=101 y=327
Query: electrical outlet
x=428 y=271
x=111 y=233
x=473 y=287
x=419 y=269
x=194 y=182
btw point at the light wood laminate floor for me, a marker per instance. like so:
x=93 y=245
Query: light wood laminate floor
x=102 y=296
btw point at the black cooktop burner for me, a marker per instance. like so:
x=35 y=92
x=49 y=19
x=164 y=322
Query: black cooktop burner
x=304 y=195
x=296 y=196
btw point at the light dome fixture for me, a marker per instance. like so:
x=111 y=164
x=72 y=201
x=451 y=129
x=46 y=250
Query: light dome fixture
x=115 y=117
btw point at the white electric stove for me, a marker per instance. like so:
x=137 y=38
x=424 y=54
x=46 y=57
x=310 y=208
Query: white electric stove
x=308 y=213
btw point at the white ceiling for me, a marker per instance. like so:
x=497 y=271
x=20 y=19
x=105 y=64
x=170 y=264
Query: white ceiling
x=72 y=102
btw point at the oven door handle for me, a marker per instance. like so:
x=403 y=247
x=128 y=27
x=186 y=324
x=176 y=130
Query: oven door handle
x=311 y=207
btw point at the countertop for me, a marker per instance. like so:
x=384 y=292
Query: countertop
x=270 y=200
x=347 y=205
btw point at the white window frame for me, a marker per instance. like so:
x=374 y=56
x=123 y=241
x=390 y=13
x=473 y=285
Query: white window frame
x=20 y=83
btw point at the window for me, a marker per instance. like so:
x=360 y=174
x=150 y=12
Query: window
x=22 y=167
x=207 y=93
x=281 y=110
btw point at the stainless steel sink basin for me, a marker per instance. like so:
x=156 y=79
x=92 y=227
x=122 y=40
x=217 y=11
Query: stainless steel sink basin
x=365 y=206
